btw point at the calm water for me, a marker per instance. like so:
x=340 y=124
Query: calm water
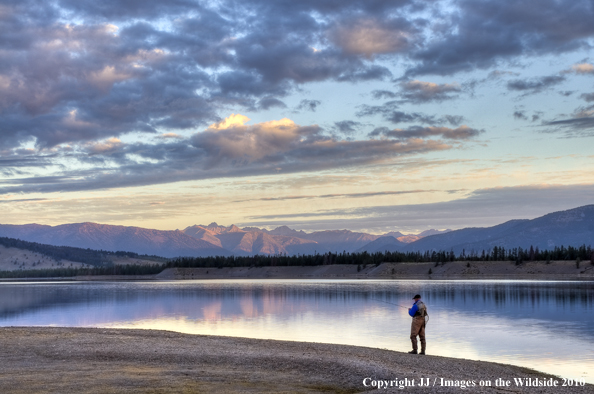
x=548 y=326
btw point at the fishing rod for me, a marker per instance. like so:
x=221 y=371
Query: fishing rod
x=391 y=303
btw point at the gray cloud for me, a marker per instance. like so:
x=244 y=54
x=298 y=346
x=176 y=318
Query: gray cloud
x=136 y=66
x=347 y=126
x=310 y=105
x=170 y=65
x=453 y=120
x=535 y=85
x=21 y=200
x=422 y=92
x=589 y=97
x=460 y=133
x=383 y=94
x=482 y=34
x=225 y=150
x=520 y=115
x=418 y=92
x=484 y=207
x=390 y=112
x=348 y=195
x=77 y=73
x=581 y=124
x=373 y=36
x=573 y=127
x=270 y=102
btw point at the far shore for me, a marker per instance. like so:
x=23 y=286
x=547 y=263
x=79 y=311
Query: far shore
x=100 y=360
x=456 y=270
x=538 y=270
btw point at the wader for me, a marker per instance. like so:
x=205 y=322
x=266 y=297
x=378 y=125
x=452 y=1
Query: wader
x=418 y=327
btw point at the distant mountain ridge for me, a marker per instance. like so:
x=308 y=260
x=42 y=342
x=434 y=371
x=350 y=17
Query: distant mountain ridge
x=114 y=238
x=573 y=227
x=196 y=241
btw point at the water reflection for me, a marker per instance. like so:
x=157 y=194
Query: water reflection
x=542 y=325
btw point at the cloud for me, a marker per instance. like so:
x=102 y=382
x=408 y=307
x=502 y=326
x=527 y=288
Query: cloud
x=80 y=81
x=581 y=124
x=498 y=74
x=405 y=117
x=482 y=34
x=270 y=102
x=482 y=207
x=10 y=201
x=232 y=121
x=346 y=195
x=310 y=105
x=129 y=9
x=589 y=97
x=228 y=148
x=460 y=133
x=418 y=92
x=383 y=94
x=74 y=83
x=583 y=68
x=520 y=115
x=422 y=92
x=369 y=37
x=104 y=147
x=535 y=85
x=76 y=71
x=170 y=135
x=390 y=112
x=573 y=127
x=152 y=67
x=347 y=126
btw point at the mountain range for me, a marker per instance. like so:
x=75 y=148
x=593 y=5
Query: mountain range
x=572 y=227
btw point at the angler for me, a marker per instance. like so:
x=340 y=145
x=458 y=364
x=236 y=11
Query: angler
x=418 y=313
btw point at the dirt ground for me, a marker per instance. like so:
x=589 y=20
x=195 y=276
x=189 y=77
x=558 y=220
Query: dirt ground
x=94 y=360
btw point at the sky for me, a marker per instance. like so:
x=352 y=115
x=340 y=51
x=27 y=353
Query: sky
x=370 y=115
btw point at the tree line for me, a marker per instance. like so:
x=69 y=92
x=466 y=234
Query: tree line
x=101 y=265
x=96 y=258
x=517 y=255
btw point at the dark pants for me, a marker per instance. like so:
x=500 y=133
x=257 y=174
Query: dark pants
x=418 y=328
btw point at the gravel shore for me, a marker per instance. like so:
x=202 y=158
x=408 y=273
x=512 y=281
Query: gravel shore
x=96 y=360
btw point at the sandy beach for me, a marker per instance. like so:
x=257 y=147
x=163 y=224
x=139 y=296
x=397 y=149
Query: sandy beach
x=96 y=360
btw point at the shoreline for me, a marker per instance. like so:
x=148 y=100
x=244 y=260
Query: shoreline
x=456 y=270
x=85 y=360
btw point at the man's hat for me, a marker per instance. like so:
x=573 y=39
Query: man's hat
x=417 y=296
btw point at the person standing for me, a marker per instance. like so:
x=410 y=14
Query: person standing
x=418 y=313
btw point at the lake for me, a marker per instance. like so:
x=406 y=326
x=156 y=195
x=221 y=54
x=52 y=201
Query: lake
x=545 y=325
